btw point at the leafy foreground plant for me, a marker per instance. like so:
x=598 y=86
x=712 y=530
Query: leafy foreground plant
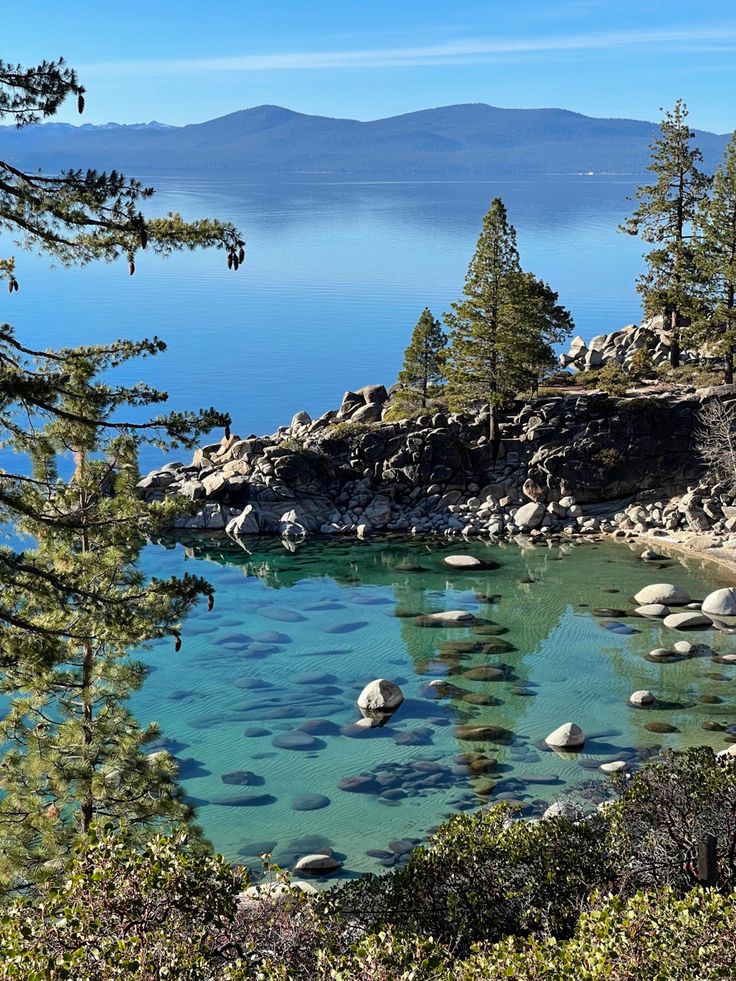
x=482 y=876
x=160 y=912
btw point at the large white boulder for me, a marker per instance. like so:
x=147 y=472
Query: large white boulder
x=529 y=516
x=691 y=620
x=246 y=523
x=653 y=610
x=721 y=603
x=462 y=562
x=567 y=736
x=379 y=699
x=662 y=592
x=642 y=697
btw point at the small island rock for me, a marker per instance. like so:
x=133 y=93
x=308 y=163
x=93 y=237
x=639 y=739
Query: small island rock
x=462 y=562
x=567 y=736
x=380 y=699
x=642 y=697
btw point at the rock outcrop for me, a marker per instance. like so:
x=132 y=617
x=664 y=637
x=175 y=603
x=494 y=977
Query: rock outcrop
x=560 y=458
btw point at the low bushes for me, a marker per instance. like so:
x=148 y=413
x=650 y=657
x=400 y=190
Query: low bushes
x=652 y=936
x=613 y=896
x=482 y=876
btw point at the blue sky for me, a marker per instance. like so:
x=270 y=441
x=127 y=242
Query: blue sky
x=184 y=61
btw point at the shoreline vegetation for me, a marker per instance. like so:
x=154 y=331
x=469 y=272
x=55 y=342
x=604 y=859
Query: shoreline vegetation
x=103 y=871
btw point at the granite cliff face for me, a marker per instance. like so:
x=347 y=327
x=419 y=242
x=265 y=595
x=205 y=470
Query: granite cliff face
x=350 y=472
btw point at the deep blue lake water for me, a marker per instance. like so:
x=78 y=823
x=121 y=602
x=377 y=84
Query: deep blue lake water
x=335 y=278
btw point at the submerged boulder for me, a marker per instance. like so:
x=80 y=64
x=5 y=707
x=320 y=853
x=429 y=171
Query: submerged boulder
x=317 y=864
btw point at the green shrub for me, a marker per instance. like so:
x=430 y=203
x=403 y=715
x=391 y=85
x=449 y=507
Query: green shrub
x=479 y=878
x=350 y=432
x=608 y=459
x=613 y=379
x=560 y=379
x=387 y=956
x=689 y=374
x=642 y=365
x=123 y=914
x=397 y=411
x=662 y=814
x=655 y=936
x=407 y=404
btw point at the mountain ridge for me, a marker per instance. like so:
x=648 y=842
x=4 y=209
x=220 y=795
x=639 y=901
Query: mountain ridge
x=466 y=140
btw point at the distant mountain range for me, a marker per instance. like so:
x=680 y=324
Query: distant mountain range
x=452 y=142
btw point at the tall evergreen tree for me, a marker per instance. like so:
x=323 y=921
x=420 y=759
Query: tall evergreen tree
x=664 y=217
x=503 y=329
x=73 y=603
x=424 y=358
x=714 y=324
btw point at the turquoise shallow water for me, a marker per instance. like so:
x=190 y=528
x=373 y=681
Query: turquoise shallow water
x=295 y=636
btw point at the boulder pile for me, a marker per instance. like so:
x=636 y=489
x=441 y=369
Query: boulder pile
x=346 y=472
x=620 y=346
x=704 y=510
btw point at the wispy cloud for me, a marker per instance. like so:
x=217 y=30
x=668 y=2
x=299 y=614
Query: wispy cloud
x=712 y=38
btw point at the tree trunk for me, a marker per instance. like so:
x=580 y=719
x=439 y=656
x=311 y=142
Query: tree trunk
x=675 y=342
x=494 y=433
x=728 y=378
x=87 y=809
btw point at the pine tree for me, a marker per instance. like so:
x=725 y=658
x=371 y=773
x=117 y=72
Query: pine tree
x=503 y=329
x=78 y=216
x=664 y=218
x=714 y=324
x=73 y=603
x=424 y=358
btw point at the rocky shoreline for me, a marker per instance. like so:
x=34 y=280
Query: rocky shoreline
x=569 y=463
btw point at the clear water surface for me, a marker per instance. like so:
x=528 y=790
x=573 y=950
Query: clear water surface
x=294 y=637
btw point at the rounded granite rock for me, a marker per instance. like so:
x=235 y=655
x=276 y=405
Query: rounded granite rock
x=662 y=592
x=692 y=620
x=567 y=736
x=379 y=699
x=721 y=602
x=641 y=697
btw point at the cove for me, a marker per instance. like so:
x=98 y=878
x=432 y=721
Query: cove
x=259 y=704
